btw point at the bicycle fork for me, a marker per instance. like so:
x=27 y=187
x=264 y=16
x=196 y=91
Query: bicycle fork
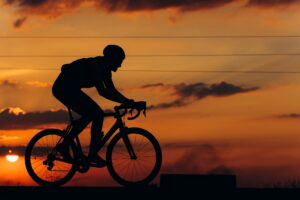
x=129 y=146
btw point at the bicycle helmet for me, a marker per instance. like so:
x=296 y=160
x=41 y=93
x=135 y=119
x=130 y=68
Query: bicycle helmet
x=114 y=52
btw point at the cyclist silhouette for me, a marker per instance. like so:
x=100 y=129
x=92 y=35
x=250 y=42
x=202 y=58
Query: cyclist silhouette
x=87 y=73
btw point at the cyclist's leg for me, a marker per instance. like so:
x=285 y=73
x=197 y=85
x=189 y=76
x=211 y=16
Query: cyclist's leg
x=77 y=127
x=94 y=112
x=82 y=104
x=72 y=99
x=96 y=134
x=88 y=109
x=91 y=111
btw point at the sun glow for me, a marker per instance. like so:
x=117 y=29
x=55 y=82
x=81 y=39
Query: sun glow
x=10 y=157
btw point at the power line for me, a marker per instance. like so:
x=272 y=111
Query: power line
x=218 y=71
x=173 y=71
x=149 y=37
x=157 y=55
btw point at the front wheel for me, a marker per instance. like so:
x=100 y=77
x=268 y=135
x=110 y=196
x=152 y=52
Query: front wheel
x=42 y=161
x=134 y=171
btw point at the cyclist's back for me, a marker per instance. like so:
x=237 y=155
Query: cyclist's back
x=85 y=72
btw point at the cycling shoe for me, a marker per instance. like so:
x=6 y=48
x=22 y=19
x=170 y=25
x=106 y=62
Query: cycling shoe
x=96 y=161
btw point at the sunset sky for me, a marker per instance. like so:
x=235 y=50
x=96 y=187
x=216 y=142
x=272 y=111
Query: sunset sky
x=207 y=69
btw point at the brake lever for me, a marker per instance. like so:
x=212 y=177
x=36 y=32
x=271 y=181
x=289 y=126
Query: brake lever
x=138 y=113
x=131 y=111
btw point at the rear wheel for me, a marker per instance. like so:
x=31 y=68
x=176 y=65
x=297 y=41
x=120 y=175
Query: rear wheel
x=44 y=164
x=142 y=169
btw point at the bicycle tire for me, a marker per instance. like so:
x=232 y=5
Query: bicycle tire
x=112 y=166
x=29 y=153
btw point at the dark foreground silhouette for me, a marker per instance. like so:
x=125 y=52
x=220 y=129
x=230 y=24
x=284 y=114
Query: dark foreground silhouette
x=193 y=187
x=133 y=155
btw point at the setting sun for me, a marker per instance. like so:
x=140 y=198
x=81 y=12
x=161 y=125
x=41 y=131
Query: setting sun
x=11 y=157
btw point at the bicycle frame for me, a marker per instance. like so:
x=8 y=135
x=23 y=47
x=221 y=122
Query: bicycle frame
x=117 y=125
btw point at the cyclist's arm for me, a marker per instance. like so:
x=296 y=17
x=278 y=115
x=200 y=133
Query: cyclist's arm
x=107 y=89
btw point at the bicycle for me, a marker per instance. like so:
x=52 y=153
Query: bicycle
x=133 y=155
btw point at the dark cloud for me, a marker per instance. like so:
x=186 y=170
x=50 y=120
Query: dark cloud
x=19 y=22
x=20 y=150
x=201 y=90
x=270 y=3
x=120 y=5
x=289 y=116
x=39 y=3
x=16 y=118
x=56 y=8
x=176 y=103
x=152 y=85
x=188 y=93
x=10 y=119
x=183 y=5
x=33 y=3
x=48 y=8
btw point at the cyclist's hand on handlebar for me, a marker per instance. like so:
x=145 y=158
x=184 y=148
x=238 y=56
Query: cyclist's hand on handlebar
x=130 y=106
x=138 y=106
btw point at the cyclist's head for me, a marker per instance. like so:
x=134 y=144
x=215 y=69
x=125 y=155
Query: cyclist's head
x=114 y=55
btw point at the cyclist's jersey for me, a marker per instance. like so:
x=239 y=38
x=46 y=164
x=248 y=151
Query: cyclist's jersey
x=85 y=72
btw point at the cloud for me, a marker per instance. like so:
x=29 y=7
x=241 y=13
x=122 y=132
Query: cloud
x=271 y=3
x=15 y=84
x=20 y=150
x=55 y=8
x=289 y=116
x=152 y=85
x=19 y=22
x=188 y=93
x=8 y=83
x=201 y=90
x=182 y=5
x=176 y=103
x=39 y=84
x=196 y=159
x=16 y=118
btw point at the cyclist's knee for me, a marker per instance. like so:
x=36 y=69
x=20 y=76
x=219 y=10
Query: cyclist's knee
x=82 y=122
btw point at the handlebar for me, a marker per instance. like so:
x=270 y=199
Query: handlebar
x=138 y=106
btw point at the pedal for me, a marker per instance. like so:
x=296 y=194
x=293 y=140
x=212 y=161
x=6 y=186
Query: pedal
x=97 y=166
x=83 y=168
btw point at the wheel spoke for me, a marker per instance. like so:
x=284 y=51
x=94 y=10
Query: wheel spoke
x=129 y=171
x=40 y=150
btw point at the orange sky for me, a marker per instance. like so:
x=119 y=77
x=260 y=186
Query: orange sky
x=254 y=121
